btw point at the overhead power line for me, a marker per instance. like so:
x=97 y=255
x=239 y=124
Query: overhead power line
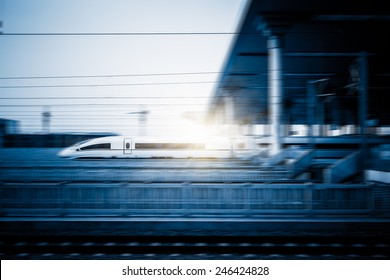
x=106 y=85
x=108 y=97
x=117 y=33
x=98 y=104
x=106 y=76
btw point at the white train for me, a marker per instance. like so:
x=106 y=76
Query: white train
x=128 y=147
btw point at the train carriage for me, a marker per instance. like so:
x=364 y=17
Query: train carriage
x=129 y=147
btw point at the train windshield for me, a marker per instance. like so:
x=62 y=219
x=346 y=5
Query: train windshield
x=80 y=143
x=102 y=146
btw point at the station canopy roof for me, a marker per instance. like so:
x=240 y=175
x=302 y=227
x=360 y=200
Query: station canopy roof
x=320 y=41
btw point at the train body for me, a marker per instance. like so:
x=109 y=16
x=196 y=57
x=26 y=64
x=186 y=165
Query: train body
x=129 y=147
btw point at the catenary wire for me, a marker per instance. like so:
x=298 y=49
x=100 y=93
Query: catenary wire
x=108 y=75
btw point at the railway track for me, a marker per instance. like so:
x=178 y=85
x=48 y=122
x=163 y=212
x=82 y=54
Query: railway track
x=194 y=247
x=131 y=174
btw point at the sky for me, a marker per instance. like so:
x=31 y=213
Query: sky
x=94 y=64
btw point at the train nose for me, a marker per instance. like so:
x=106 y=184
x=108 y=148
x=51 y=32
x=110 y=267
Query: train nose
x=65 y=153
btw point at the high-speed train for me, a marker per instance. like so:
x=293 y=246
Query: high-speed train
x=128 y=147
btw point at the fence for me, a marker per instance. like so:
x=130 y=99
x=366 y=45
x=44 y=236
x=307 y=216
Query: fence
x=188 y=199
x=136 y=175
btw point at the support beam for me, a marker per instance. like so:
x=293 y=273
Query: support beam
x=310 y=114
x=363 y=104
x=229 y=119
x=275 y=92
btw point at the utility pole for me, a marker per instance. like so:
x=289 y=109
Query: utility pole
x=46 y=116
x=142 y=120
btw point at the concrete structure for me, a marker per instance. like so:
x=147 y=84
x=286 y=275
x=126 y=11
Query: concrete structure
x=321 y=66
x=283 y=45
x=7 y=127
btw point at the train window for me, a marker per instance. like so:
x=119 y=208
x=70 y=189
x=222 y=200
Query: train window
x=103 y=146
x=148 y=145
x=183 y=146
x=174 y=146
x=241 y=146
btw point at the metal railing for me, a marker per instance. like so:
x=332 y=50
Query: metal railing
x=133 y=175
x=189 y=199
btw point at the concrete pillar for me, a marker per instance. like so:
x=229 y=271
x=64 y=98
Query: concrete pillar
x=363 y=104
x=229 y=120
x=229 y=109
x=310 y=113
x=275 y=92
